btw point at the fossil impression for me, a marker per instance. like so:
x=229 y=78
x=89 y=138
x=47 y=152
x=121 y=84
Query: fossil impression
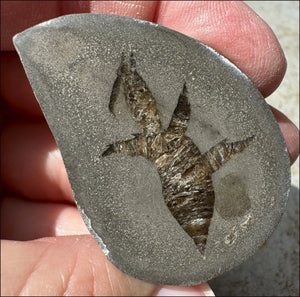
x=185 y=173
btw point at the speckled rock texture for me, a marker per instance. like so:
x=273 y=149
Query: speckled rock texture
x=274 y=269
x=72 y=63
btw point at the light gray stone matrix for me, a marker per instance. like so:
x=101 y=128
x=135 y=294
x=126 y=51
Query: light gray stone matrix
x=72 y=63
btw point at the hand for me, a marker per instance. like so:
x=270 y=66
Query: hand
x=48 y=250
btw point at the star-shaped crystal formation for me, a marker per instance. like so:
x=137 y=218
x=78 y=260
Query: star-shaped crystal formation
x=185 y=173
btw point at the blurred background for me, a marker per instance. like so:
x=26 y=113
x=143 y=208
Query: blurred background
x=274 y=269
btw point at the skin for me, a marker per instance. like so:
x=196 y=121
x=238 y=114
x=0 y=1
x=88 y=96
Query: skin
x=43 y=235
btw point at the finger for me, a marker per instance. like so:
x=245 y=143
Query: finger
x=15 y=88
x=22 y=219
x=290 y=133
x=32 y=165
x=144 y=10
x=199 y=290
x=17 y=16
x=72 y=265
x=234 y=30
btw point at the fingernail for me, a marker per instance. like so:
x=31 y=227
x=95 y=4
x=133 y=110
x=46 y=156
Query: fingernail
x=199 y=290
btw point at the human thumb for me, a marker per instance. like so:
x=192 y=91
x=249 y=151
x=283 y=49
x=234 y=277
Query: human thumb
x=199 y=290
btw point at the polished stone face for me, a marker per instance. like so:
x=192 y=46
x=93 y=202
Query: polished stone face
x=75 y=67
